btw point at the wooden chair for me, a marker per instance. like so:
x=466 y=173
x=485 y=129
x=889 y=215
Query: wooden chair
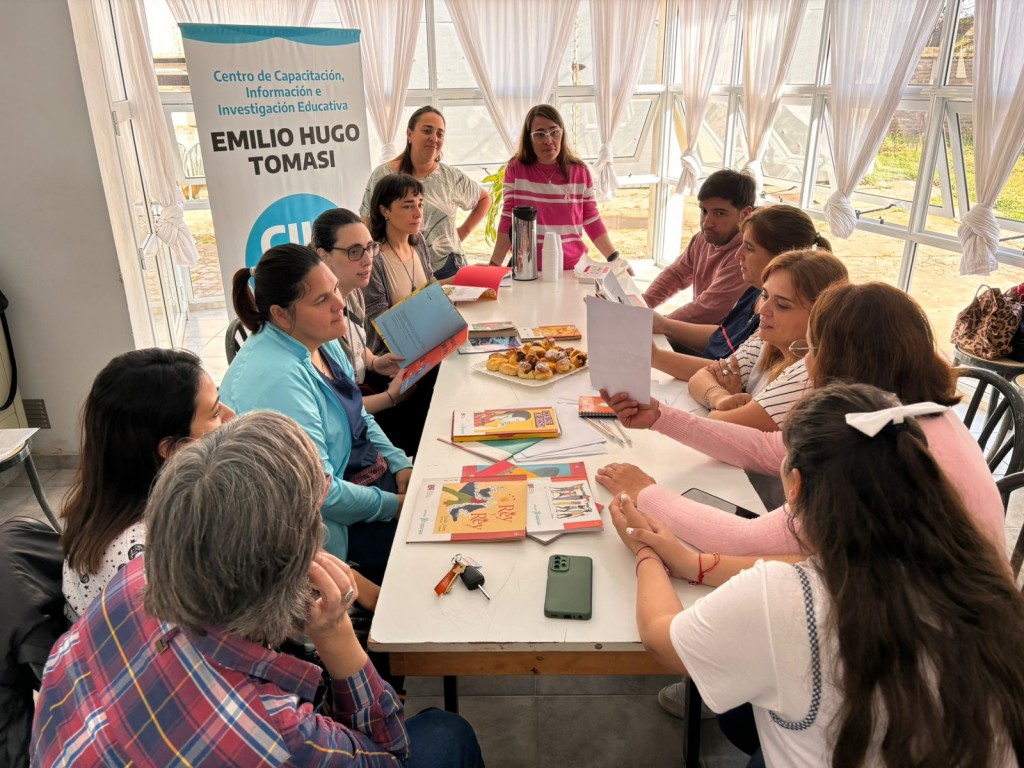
x=1000 y=423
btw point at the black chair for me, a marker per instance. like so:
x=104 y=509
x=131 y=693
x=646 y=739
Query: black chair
x=1000 y=422
x=31 y=620
x=1007 y=486
x=23 y=455
x=234 y=338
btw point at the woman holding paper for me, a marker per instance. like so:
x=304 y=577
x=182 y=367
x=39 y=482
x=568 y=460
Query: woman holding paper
x=548 y=175
x=898 y=637
x=344 y=243
x=446 y=190
x=294 y=364
x=403 y=267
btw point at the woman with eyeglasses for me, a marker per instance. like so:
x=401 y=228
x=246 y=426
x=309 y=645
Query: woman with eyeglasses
x=894 y=637
x=446 y=190
x=548 y=175
x=759 y=384
x=344 y=243
x=293 y=364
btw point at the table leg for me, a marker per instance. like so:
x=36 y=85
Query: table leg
x=691 y=736
x=33 y=478
x=451 y=693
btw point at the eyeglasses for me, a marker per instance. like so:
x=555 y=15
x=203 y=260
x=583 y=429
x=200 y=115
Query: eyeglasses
x=555 y=134
x=800 y=347
x=355 y=253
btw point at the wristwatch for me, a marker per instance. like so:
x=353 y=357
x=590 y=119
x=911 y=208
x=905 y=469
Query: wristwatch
x=612 y=256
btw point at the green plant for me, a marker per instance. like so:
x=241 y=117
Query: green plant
x=496 y=189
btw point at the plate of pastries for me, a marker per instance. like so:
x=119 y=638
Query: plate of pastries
x=535 y=364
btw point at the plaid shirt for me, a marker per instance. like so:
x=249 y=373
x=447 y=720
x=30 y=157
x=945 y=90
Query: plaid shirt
x=122 y=688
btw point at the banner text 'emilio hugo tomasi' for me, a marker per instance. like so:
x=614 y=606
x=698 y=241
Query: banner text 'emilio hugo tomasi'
x=282 y=128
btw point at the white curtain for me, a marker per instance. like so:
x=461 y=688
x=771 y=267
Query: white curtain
x=701 y=26
x=275 y=13
x=620 y=31
x=157 y=155
x=998 y=125
x=388 y=43
x=513 y=50
x=866 y=89
x=770 y=31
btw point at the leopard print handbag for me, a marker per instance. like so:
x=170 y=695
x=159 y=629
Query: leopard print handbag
x=985 y=328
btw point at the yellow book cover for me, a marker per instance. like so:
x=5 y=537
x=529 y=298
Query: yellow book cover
x=475 y=509
x=505 y=424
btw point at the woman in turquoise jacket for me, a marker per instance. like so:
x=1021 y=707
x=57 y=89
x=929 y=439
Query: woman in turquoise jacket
x=294 y=364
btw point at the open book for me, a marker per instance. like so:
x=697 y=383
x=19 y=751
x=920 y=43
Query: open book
x=424 y=328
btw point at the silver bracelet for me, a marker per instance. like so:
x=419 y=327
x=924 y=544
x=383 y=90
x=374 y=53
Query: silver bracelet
x=707 y=393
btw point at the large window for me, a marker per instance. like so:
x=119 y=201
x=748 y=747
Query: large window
x=908 y=205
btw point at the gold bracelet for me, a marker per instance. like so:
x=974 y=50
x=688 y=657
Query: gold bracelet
x=707 y=393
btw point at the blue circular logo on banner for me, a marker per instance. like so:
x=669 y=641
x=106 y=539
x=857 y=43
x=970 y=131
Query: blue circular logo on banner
x=288 y=220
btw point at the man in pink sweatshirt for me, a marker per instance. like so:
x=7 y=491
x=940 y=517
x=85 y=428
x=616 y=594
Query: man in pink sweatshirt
x=708 y=262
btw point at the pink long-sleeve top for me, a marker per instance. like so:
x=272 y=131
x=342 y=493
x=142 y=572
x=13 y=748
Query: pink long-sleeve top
x=714 y=273
x=567 y=209
x=713 y=530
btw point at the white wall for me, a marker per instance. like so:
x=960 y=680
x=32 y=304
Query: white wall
x=58 y=261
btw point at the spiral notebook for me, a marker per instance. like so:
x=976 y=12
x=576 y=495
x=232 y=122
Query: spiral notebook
x=594 y=407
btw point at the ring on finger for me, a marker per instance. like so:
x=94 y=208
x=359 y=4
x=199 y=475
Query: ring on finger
x=349 y=596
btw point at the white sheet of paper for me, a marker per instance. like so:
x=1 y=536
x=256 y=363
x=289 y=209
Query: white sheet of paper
x=12 y=439
x=619 y=347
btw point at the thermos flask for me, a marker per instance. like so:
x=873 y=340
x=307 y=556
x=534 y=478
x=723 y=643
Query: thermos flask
x=524 y=243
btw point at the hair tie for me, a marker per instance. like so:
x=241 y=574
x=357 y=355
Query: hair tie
x=252 y=271
x=873 y=422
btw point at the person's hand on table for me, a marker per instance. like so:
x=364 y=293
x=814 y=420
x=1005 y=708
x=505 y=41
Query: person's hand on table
x=638 y=531
x=727 y=374
x=624 y=478
x=733 y=401
x=630 y=412
x=334 y=581
x=386 y=364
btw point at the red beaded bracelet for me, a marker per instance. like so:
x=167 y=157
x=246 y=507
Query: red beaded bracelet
x=649 y=557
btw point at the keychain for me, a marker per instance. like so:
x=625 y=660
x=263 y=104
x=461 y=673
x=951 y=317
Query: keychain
x=460 y=564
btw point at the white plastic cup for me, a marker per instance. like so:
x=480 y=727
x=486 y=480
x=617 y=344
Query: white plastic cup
x=552 y=255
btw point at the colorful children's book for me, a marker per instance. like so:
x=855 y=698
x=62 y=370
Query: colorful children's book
x=505 y=423
x=492 y=328
x=594 y=407
x=489 y=344
x=575 y=470
x=470 y=510
x=424 y=328
x=556 y=332
x=559 y=505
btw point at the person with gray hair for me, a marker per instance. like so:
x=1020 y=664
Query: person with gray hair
x=174 y=663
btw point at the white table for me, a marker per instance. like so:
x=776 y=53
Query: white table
x=463 y=633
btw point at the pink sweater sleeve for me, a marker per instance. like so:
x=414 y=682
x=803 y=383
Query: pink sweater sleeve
x=743 y=447
x=712 y=530
x=674 y=278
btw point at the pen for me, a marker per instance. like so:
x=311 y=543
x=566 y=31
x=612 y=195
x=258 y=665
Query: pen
x=604 y=431
x=622 y=432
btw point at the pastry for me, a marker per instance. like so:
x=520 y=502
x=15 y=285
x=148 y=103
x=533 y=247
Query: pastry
x=508 y=369
x=524 y=371
x=562 y=365
x=542 y=371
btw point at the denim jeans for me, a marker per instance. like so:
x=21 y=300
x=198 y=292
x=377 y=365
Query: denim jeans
x=439 y=739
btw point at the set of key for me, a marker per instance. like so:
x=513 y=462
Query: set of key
x=467 y=569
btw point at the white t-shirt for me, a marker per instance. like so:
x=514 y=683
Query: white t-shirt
x=79 y=591
x=779 y=396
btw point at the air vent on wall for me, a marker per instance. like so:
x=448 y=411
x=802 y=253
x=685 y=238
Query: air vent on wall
x=35 y=413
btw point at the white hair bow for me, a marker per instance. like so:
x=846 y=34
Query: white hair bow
x=874 y=422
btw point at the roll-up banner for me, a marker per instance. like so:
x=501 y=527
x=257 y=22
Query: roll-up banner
x=282 y=128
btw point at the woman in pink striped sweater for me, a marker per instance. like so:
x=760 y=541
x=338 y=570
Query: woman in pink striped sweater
x=873 y=334
x=547 y=174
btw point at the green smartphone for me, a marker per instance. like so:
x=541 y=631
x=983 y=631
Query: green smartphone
x=569 y=590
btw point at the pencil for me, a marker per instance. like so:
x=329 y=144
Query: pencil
x=622 y=432
x=604 y=431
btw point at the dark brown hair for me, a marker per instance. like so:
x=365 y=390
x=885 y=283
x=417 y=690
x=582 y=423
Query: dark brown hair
x=811 y=272
x=738 y=188
x=405 y=159
x=876 y=334
x=780 y=228
x=393 y=186
x=137 y=400
x=327 y=224
x=928 y=623
x=279 y=279
x=525 y=153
